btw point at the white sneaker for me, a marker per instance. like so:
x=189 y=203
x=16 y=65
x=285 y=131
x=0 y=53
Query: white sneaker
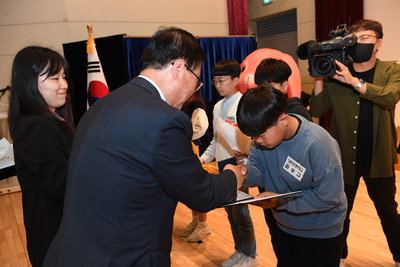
x=246 y=261
x=233 y=259
x=343 y=263
x=201 y=231
x=189 y=229
x=397 y=264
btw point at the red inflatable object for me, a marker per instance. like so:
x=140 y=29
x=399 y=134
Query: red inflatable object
x=249 y=65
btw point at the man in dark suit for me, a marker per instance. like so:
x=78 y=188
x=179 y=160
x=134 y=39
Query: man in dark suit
x=132 y=161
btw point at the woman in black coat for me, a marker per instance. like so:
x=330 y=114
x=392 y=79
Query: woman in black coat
x=42 y=129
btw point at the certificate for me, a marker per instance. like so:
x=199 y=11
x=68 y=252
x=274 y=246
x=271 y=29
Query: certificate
x=250 y=199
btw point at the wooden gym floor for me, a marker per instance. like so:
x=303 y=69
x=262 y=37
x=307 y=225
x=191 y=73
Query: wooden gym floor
x=367 y=244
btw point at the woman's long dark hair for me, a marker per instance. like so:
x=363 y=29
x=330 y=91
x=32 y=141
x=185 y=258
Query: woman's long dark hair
x=193 y=102
x=25 y=97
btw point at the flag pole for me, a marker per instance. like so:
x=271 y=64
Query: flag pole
x=96 y=82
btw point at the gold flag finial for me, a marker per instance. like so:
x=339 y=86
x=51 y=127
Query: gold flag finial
x=90 y=43
x=90 y=28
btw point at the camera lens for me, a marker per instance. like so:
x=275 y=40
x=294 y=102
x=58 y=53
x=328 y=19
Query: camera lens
x=324 y=65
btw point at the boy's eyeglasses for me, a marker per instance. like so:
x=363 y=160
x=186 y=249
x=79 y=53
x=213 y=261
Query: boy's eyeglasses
x=216 y=82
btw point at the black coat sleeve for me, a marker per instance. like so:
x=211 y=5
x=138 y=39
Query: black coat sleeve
x=41 y=152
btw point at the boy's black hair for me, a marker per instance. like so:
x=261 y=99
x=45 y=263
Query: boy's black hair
x=272 y=70
x=259 y=109
x=226 y=67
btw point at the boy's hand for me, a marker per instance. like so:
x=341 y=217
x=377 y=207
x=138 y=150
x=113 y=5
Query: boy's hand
x=240 y=176
x=265 y=204
x=240 y=157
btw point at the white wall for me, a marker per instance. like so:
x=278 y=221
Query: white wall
x=54 y=22
x=305 y=24
x=385 y=11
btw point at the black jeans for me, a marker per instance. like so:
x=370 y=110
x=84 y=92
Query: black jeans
x=382 y=192
x=271 y=222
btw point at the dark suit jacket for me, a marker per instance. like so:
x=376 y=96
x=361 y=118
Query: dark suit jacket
x=131 y=162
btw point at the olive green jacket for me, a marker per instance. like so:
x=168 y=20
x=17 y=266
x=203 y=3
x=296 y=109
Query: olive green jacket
x=345 y=103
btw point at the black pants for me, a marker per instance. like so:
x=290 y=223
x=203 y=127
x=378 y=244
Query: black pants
x=382 y=192
x=295 y=251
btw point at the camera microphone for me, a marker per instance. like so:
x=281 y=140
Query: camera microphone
x=308 y=49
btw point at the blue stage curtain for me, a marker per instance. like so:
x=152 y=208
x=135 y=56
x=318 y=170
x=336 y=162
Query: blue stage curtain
x=216 y=49
x=134 y=50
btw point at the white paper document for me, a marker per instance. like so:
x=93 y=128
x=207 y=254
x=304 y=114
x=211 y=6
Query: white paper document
x=233 y=136
x=243 y=196
x=251 y=198
x=6 y=154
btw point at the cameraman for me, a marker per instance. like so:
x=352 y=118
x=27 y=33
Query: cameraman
x=363 y=99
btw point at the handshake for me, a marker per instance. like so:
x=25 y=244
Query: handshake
x=241 y=174
x=240 y=169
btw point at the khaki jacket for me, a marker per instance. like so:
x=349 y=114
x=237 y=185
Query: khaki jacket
x=345 y=104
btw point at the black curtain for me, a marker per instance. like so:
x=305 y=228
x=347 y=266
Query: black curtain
x=111 y=51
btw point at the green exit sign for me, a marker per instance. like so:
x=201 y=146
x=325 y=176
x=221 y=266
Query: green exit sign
x=266 y=2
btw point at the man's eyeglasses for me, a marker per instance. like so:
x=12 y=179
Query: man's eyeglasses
x=365 y=37
x=199 y=81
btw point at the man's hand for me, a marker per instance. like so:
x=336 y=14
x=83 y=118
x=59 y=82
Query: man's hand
x=239 y=172
x=265 y=204
x=243 y=170
x=343 y=74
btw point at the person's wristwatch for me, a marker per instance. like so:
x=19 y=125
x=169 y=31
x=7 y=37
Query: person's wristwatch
x=359 y=85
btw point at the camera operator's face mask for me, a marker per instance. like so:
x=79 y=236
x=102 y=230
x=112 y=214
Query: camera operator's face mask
x=362 y=52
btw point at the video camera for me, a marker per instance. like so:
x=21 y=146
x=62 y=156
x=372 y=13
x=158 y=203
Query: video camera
x=321 y=55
